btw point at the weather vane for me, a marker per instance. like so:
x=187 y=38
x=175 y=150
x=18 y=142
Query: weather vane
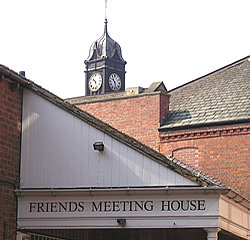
x=106 y=5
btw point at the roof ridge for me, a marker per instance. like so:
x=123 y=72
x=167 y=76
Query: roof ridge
x=208 y=74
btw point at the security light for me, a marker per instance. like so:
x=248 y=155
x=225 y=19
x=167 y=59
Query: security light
x=98 y=146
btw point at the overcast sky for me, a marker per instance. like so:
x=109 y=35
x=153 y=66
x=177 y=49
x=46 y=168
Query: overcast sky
x=172 y=41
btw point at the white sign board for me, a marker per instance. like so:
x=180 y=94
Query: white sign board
x=101 y=212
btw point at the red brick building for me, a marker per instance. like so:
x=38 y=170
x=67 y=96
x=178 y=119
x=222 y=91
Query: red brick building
x=204 y=123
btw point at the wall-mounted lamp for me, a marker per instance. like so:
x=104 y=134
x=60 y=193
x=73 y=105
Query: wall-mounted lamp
x=98 y=146
x=121 y=222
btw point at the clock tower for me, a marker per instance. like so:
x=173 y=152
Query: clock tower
x=105 y=67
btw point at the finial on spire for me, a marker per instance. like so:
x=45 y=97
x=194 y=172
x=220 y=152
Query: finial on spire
x=106 y=26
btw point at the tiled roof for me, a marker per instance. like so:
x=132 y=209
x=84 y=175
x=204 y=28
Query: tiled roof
x=220 y=97
x=169 y=162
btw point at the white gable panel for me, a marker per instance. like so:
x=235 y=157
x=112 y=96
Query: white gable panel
x=57 y=152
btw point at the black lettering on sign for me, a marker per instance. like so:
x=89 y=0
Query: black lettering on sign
x=80 y=206
x=149 y=206
x=183 y=205
x=138 y=205
x=40 y=207
x=165 y=206
x=97 y=208
x=107 y=206
x=32 y=206
x=124 y=205
x=118 y=206
x=62 y=207
x=130 y=206
x=175 y=205
x=193 y=205
x=54 y=207
x=72 y=206
x=201 y=205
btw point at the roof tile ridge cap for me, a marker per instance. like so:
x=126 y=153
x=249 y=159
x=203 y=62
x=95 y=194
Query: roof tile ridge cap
x=213 y=72
x=196 y=172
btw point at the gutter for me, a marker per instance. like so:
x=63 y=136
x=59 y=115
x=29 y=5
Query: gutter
x=202 y=125
x=118 y=191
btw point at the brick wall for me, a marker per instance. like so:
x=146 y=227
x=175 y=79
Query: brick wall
x=10 y=107
x=164 y=106
x=138 y=116
x=222 y=153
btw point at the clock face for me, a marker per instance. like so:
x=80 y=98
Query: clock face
x=115 y=82
x=95 y=82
